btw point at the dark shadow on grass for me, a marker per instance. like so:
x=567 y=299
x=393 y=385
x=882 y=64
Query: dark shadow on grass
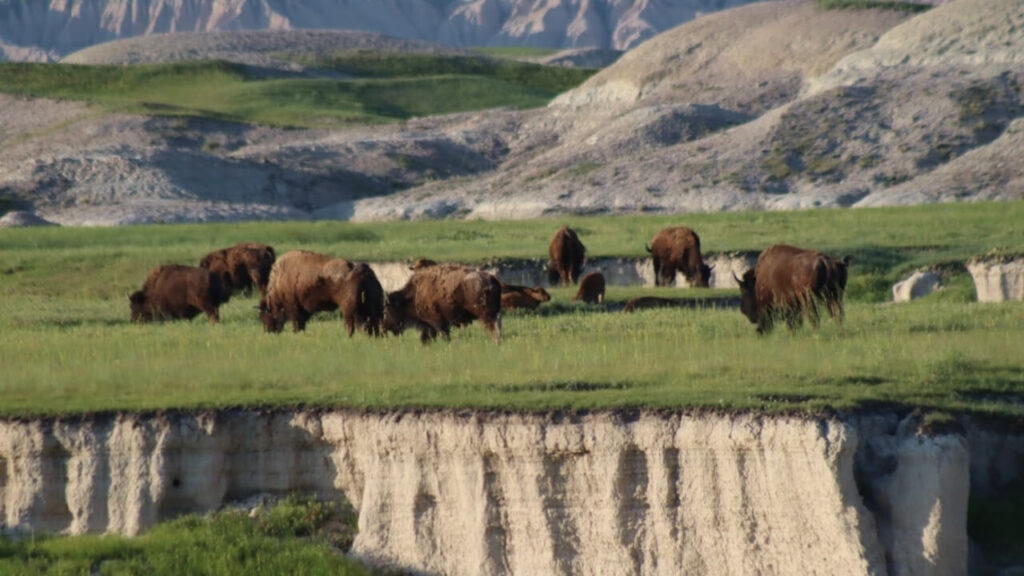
x=553 y=309
x=567 y=386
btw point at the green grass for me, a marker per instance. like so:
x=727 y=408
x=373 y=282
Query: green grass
x=296 y=536
x=66 y=345
x=513 y=52
x=383 y=88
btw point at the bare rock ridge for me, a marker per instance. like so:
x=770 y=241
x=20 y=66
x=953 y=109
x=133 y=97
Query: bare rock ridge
x=35 y=30
x=530 y=494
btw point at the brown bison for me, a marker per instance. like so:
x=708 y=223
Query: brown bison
x=567 y=256
x=174 y=292
x=439 y=297
x=591 y=288
x=514 y=296
x=241 y=266
x=304 y=283
x=678 y=249
x=789 y=283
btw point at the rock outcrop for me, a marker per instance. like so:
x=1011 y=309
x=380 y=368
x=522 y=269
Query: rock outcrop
x=998 y=280
x=39 y=29
x=524 y=494
x=918 y=285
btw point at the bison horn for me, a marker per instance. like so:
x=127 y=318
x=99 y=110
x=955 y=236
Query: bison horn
x=127 y=295
x=736 y=278
x=648 y=248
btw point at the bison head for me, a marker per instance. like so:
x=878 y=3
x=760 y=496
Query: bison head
x=539 y=294
x=272 y=319
x=394 y=313
x=748 y=297
x=703 y=279
x=137 y=302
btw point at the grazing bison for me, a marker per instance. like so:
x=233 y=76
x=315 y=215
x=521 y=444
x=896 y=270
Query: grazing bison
x=678 y=249
x=174 y=292
x=513 y=296
x=789 y=283
x=304 y=283
x=567 y=255
x=591 y=288
x=645 y=302
x=439 y=297
x=241 y=266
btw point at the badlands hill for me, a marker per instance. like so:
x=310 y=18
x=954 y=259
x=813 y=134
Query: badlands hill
x=780 y=105
x=50 y=29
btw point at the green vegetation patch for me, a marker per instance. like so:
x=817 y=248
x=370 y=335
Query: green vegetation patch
x=66 y=345
x=383 y=88
x=298 y=535
x=513 y=52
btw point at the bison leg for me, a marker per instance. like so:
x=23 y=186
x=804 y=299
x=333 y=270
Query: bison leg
x=299 y=320
x=494 y=326
x=212 y=313
x=668 y=274
x=427 y=334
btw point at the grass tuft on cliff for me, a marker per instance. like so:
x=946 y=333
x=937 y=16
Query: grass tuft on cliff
x=375 y=87
x=297 y=534
x=66 y=345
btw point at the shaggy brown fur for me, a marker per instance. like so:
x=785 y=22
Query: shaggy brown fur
x=241 y=266
x=567 y=257
x=439 y=297
x=178 y=292
x=514 y=296
x=678 y=249
x=790 y=283
x=591 y=289
x=304 y=283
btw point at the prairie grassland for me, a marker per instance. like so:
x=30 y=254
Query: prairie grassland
x=382 y=88
x=66 y=345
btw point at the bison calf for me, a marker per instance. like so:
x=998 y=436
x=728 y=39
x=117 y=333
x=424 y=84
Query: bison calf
x=591 y=289
x=789 y=283
x=514 y=296
x=678 y=249
x=173 y=292
x=241 y=266
x=439 y=297
x=304 y=283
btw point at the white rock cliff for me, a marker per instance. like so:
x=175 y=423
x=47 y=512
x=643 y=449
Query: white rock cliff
x=448 y=493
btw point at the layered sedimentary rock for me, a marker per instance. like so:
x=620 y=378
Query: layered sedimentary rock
x=622 y=493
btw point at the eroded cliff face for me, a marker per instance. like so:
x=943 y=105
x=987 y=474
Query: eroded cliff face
x=58 y=27
x=455 y=493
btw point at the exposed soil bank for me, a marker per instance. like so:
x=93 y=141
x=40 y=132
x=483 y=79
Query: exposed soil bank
x=473 y=493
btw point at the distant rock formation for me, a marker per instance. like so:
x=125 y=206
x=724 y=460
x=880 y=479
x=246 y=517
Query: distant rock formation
x=34 y=29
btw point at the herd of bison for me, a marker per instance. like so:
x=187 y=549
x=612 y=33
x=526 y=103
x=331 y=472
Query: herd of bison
x=787 y=283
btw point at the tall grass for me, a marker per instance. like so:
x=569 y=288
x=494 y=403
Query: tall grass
x=384 y=88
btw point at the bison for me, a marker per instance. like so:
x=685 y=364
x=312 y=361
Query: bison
x=790 y=283
x=678 y=249
x=591 y=288
x=304 y=283
x=567 y=256
x=242 y=266
x=173 y=292
x=513 y=296
x=439 y=297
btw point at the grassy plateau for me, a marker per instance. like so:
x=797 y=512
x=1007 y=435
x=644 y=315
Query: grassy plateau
x=361 y=87
x=66 y=345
